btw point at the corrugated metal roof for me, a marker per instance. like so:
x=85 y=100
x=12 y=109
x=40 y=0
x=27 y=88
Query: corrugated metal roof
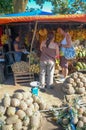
x=42 y=17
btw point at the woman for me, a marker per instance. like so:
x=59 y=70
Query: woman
x=65 y=43
x=49 y=50
x=17 y=49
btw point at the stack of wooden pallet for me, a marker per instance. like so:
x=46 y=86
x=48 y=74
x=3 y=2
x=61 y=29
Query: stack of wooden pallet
x=23 y=78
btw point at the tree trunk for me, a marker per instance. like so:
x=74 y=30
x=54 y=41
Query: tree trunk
x=19 y=5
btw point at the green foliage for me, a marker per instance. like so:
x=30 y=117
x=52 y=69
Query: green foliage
x=65 y=6
x=6 y=6
x=59 y=6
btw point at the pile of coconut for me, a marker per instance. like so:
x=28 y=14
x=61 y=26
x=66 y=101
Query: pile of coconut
x=75 y=83
x=21 y=111
x=80 y=117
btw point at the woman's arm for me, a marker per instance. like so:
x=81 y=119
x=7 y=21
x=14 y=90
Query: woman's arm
x=17 y=49
x=42 y=44
x=57 y=52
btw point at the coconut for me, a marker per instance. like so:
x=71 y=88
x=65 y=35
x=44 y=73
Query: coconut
x=70 y=80
x=68 y=86
x=80 y=75
x=64 y=90
x=74 y=76
x=74 y=84
x=80 y=84
x=83 y=79
x=18 y=95
x=75 y=120
x=77 y=106
x=84 y=85
x=84 y=113
x=84 y=119
x=78 y=81
x=80 y=116
x=81 y=90
x=71 y=91
x=65 y=121
x=80 y=124
x=81 y=110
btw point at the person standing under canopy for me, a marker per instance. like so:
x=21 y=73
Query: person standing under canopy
x=49 y=51
x=65 y=43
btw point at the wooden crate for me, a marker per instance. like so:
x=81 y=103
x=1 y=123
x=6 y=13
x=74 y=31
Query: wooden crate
x=23 y=78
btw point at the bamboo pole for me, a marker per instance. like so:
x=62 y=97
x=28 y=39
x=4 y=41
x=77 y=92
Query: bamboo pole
x=34 y=33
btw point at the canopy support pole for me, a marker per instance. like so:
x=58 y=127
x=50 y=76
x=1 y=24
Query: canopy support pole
x=9 y=44
x=34 y=34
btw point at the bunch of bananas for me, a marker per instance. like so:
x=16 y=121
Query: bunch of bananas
x=58 y=37
x=79 y=34
x=75 y=34
x=35 y=68
x=27 y=40
x=33 y=58
x=81 y=53
x=4 y=39
x=80 y=66
x=42 y=34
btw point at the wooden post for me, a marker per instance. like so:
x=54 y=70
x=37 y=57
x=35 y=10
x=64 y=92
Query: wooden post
x=9 y=44
x=34 y=33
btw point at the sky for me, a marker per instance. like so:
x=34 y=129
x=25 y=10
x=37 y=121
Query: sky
x=46 y=7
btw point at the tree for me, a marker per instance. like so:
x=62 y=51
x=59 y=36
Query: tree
x=65 y=6
x=12 y=6
x=6 y=6
x=19 y=5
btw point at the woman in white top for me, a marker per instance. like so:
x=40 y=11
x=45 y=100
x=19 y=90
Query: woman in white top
x=65 y=43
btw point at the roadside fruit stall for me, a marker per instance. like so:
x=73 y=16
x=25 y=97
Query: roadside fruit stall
x=34 y=30
x=23 y=110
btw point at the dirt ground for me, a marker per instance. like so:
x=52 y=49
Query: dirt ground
x=51 y=96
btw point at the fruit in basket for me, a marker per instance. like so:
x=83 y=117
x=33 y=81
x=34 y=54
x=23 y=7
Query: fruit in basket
x=20 y=67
